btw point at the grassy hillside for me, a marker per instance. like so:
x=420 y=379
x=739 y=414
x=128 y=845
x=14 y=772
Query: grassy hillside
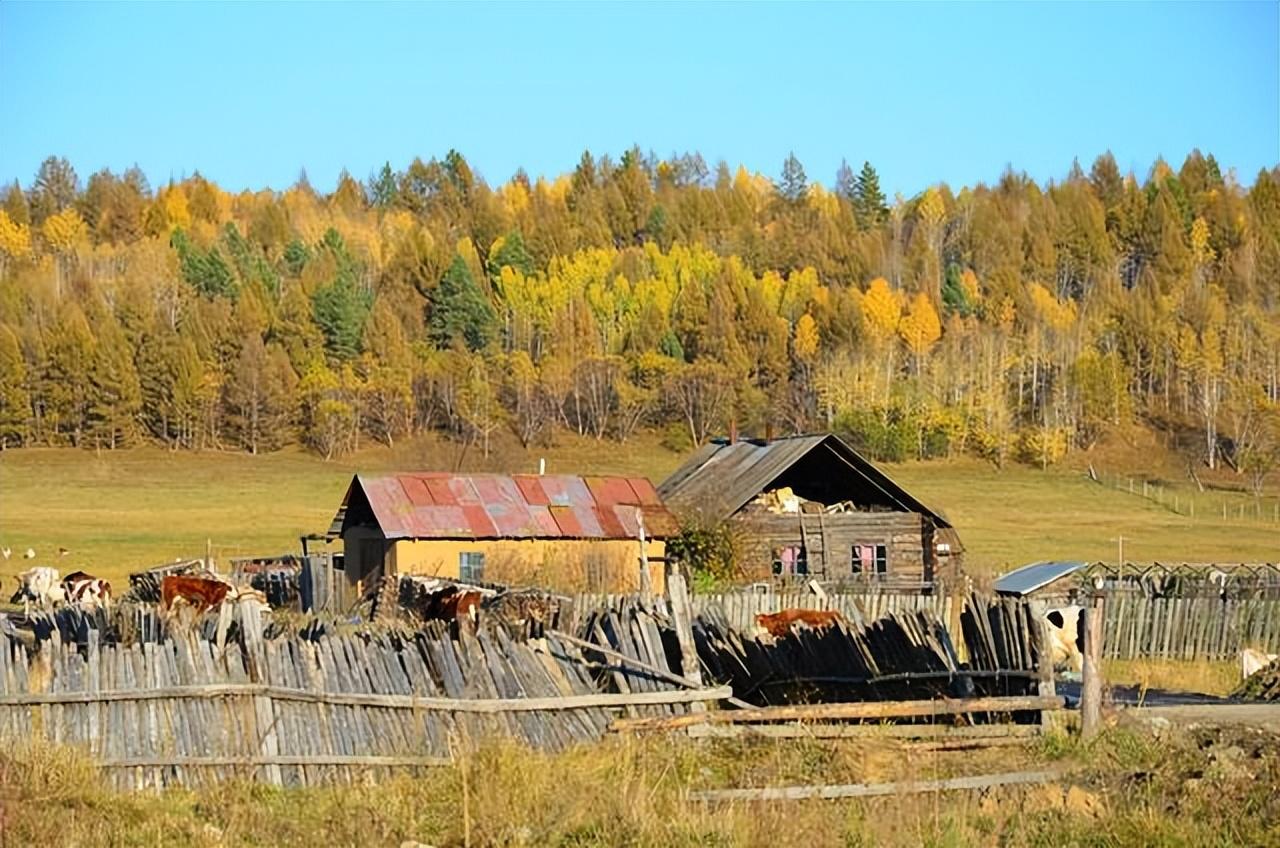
x=118 y=511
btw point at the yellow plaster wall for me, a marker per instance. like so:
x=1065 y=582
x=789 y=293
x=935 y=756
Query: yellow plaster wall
x=559 y=564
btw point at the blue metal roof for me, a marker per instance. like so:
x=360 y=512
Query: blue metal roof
x=1029 y=578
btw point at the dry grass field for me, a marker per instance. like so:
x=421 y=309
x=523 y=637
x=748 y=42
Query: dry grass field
x=1126 y=788
x=123 y=510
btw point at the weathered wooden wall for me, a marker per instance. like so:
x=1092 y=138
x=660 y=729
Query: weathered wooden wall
x=829 y=540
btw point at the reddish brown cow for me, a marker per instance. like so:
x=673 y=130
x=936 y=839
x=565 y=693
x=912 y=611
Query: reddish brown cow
x=457 y=606
x=201 y=592
x=778 y=624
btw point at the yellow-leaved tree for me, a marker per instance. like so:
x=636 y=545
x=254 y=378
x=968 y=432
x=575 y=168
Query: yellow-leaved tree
x=15 y=240
x=63 y=232
x=920 y=328
x=805 y=343
x=931 y=211
x=1202 y=252
x=881 y=311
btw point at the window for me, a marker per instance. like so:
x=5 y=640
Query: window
x=870 y=559
x=471 y=566
x=790 y=559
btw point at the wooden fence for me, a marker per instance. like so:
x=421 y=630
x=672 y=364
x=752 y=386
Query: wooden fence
x=1137 y=626
x=738 y=610
x=1196 y=628
x=293 y=710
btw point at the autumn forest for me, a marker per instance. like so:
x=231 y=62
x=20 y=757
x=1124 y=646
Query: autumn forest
x=1013 y=321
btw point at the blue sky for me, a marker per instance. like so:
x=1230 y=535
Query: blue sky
x=249 y=94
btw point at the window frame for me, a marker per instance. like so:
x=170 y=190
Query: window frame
x=468 y=562
x=800 y=568
x=879 y=559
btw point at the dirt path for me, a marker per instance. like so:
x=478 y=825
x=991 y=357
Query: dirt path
x=1263 y=716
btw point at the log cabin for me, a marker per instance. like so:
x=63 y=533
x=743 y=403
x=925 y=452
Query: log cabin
x=812 y=507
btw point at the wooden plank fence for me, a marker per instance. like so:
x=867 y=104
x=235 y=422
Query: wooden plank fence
x=1137 y=626
x=1195 y=628
x=738 y=610
x=300 y=711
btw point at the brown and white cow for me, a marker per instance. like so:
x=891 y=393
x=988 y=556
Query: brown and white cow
x=779 y=624
x=85 y=590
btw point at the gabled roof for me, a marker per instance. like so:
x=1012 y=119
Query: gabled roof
x=720 y=477
x=437 y=505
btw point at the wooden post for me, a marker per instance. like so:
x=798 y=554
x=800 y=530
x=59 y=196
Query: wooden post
x=1044 y=657
x=1091 y=688
x=682 y=618
x=646 y=578
x=259 y=672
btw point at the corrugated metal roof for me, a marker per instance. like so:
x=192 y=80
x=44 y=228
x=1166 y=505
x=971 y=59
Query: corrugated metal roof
x=1029 y=578
x=493 y=506
x=720 y=478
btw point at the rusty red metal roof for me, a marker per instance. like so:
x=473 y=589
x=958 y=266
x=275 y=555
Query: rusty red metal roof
x=433 y=505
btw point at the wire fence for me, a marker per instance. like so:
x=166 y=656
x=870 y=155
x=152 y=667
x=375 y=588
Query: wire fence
x=1216 y=505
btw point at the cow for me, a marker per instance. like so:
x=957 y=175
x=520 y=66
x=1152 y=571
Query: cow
x=39 y=586
x=779 y=624
x=459 y=605
x=1066 y=637
x=1253 y=661
x=201 y=593
x=86 y=590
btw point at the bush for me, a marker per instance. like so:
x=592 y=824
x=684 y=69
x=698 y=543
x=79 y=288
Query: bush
x=709 y=553
x=1043 y=446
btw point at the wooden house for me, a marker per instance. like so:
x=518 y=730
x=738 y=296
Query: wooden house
x=811 y=506
x=561 y=532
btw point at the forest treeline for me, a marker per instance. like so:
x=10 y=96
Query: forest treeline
x=1012 y=321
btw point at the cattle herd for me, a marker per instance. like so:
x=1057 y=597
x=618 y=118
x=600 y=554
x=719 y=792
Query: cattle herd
x=41 y=588
x=428 y=599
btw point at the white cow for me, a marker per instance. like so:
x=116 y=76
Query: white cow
x=1251 y=662
x=1065 y=637
x=39 y=586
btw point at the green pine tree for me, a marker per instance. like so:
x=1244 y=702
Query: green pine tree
x=383 y=190
x=512 y=254
x=869 y=201
x=794 y=183
x=460 y=310
x=341 y=307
